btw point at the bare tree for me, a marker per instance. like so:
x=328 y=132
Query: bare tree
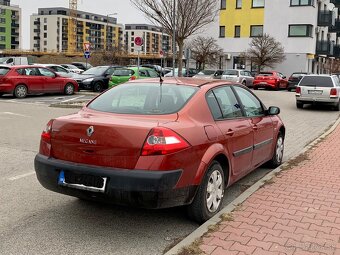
x=116 y=56
x=265 y=51
x=205 y=51
x=191 y=16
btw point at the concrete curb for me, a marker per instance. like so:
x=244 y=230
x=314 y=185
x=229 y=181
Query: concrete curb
x=87 y=93
x=199 y=232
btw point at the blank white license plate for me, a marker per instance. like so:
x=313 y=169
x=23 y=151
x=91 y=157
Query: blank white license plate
x=315 y=92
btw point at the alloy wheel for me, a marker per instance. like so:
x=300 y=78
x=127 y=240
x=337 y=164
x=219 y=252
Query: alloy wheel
x=214 y=191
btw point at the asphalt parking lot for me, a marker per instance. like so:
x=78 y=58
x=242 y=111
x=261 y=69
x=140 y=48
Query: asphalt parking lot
x=37 y=221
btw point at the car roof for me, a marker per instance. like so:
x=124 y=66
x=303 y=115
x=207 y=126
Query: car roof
x=184 y=81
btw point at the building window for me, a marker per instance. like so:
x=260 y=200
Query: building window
x=45 y=43
x=300 y=31
x=2 y=30
x=257 y=3
x=2 y=11
x=2 y=38
x=45 y=20
x=301 y=2
x=45 y=35
x=222 y=31
x=238 y=4
x=2 y=20
x=223 y=4
x=45 y=27
x=256 y=31
x=237 y=31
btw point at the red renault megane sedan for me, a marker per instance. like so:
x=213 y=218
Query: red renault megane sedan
x=157 y=144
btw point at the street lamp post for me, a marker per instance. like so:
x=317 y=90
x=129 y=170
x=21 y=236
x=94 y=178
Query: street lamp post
x=107 y=28
x=174 y=38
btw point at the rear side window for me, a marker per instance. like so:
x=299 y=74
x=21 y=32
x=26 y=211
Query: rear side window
x=144 y=99
x=316 y=81
x=4 y=70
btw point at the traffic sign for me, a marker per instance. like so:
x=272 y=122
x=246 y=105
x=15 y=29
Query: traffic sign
x=87 y=54
x=139 y=41
x=87 y=46
x=161 y=53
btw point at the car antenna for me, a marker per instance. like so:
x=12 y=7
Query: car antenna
x=160 y=86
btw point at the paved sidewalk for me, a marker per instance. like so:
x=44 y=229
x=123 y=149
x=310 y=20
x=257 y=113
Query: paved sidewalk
x=299 y=213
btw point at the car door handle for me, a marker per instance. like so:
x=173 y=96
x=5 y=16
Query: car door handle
x=230 y=132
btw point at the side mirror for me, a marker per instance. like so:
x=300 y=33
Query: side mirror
x=273 y=110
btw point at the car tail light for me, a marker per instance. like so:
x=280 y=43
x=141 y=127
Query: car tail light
x=45 y=142
x=298 y=90
x=334 y=92
x=132 y=78
x=162 y=141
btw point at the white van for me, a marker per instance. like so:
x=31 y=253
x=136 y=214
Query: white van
x=13 y=61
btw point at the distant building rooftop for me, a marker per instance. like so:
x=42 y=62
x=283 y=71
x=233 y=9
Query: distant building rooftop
x=143 y=27
x=80 y=14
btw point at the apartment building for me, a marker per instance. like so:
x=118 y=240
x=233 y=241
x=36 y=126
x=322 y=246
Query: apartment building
x=10 y=25
x=49 y=30
x=307 y=29
x=155 y=41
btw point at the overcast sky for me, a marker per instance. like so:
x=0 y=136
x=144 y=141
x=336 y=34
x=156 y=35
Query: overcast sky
x=127 y=13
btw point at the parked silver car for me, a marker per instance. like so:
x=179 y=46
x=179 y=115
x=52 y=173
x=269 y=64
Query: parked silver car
x=318 y=89
x=63 y=72
x=241 y=76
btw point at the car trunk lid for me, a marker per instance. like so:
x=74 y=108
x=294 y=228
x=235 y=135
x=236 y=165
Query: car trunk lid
x=108 y=140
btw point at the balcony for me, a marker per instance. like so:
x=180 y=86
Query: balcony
x=325 y=48
x=14 y=42
x=36 y=37
x=337 y=51
x=37 y=22
x=336 y=3
x=14 y=25
x=335 y=28
x=325 y=18
x=15 y=34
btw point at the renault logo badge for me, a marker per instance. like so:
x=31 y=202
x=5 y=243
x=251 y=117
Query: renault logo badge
x=90 y=131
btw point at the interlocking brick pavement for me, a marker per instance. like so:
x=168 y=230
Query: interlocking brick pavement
x=299 y=213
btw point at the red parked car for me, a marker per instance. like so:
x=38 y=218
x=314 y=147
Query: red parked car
x=273 y=80
x=23 y=80
x=157 y=145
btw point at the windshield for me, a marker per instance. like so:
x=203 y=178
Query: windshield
x=99 y=70
x=4 y=70
x=206 y=72
x=316 y=81
x=230 y=72
x=144 y=98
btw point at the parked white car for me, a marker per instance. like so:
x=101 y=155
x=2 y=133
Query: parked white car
x=72 y=68
x=62 y=71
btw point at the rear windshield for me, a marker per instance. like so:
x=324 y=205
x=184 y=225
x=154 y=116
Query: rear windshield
x=144 y=98
x=230 y=72
x=266 y=74
x=206 y=72
x=316 y=81
x=4 y=70
x=297 y=75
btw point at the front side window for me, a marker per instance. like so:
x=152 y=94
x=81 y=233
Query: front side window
x=257 y=3
x=227 y=103
x=300 y=30
x=144 y=99
x=301 y=2
x=252 y=106
x=256 y=31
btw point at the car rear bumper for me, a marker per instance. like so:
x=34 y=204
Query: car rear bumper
x=146 y=189
x=6 y=88
x=317 y=100
x=264 y=84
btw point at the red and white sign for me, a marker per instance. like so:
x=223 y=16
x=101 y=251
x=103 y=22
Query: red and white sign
x=87 y=46
x=161 y=53
x=139 y=41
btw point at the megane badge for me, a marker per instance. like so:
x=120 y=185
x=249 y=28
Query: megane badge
x=90 y=131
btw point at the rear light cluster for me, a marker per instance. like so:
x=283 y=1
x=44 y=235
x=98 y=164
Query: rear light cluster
x=132 y=78
x=298 y=90
x=334 y=92
x=45 y=142
x=162 y=141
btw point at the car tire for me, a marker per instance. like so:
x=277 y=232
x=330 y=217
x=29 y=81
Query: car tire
x=299 y=105
x=278 y=152
x=69 y=89
x=289 y=89
x=98 y=87
x=1 y=94
x=20 y=91
x=200 y=210
x=255 y=88
x=277 y=87
x=244 y=83
x=337 y=107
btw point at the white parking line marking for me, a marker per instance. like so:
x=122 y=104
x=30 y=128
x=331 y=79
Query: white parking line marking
x=15 y=114
x=68 y=100
x=21 y=176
